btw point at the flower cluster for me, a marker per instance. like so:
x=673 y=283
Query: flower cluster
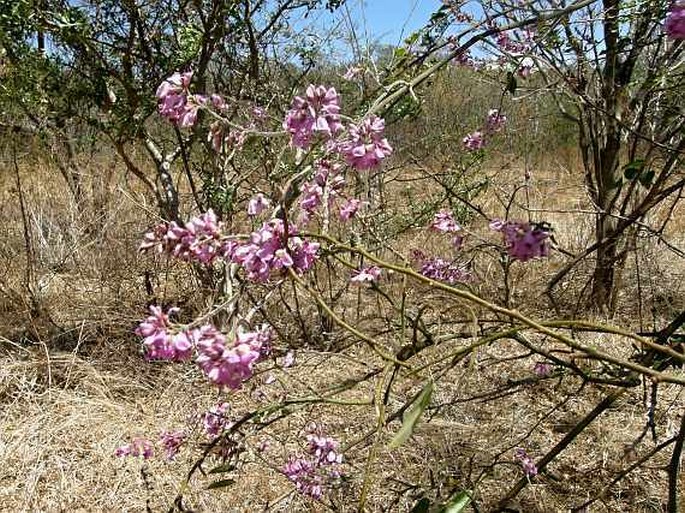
x=317 y=112
x=674 y=26
x=366 y=145
x=229 y=364
x=511 y=45
x=495 y=122
x=439 y=269
x=160 y=342
x=527 y=463
x=266 y=251
x=444 y=222
x=215 y=420
x=172 y=441
x=224 y=364
x=314 y=473
x=200 y=239
x=524 y=241
x=175 y=101
x=137 y=447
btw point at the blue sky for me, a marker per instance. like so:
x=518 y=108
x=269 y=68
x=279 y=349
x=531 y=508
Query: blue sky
x=392 y=20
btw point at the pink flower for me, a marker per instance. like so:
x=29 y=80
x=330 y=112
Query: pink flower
x=318 y=471
x=137 y=447
x=159 y=342
x=257 y=205
x=172 y=441
x=311 y=196
x=527 y=463
x=474 y=141
x=259 y=340
x=439 y=269
x=317 y=113
x=288 y=359
x=366 y=146
x=525 y=70
x=495 y=121
x=215 y=420
x=443 y=222
x=226 y=366
x=200 y=239
x=543 y=369
x=367 y=274
x=524 y=241
x=349 y=209
x=674 y=26
x=175 y=102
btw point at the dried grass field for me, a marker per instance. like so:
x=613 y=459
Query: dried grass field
x=73 y=383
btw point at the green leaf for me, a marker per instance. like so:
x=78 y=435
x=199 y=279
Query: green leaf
x=457 y=503
x=227 y=467
x=221 y=484
x=411 y=39
x=633 y=169
x=647 y=178
x=412 y=416
x=422 y=506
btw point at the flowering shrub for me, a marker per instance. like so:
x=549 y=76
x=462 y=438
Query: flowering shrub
x=278 y=248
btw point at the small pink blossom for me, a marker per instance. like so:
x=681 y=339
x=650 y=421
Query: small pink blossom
x=159 y=341
x=215 y=420
x=525 y=70
x=366 y=145
x=349 y=209
x=367 y=274
x=317 y=113
x=439 y=269
x=527 y=463
x=543 y=369
x=523 y=241
x=137 y=447
x=474 y=141
x=257 y=205
x=444 y=222
x=288 y=359
x=171 y=442
x=315 y=473
x=495 y=121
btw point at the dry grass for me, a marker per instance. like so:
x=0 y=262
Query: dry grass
x=73 y=386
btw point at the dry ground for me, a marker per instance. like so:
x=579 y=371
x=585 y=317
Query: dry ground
x=70 y=398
